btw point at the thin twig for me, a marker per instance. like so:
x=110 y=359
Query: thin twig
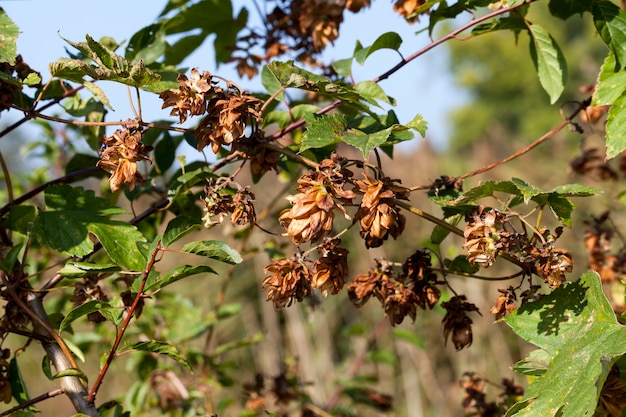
x=42 y=108
x=120 y=334
x=449 y=36
x=32 y=401
x=517 y=154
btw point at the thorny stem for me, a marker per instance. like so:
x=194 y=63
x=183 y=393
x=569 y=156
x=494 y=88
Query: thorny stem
x=358 y=361
x=33 y=401
x=120 y=334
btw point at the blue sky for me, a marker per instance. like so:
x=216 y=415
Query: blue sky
x=423 y=86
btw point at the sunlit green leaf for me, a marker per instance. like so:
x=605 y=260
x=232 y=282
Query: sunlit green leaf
x=73 y=213
x=610 y=23
x=365 y=142
x=322 y=131
x=577 y=328
x=549 y=61
x=616 y=127
x=178 y=228
x=372 y=91
x=213 y=249
x=161 y=348
x=177 y=274
x=8 y=40
x=82 y=269
x=84 y=309
x=611 y=84
x=389 y=40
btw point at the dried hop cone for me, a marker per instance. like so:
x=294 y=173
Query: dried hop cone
x=505 y=304
x=228 y=114
x=119 y=156
x=485 y=236
x=456 y=321
x=418 y=269
x=190 y=98
x=330 y=272
x=289 y=279
x=363 y=286
x=312 y=210
x=378 y=216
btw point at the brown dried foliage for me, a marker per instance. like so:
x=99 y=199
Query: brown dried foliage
x=378 y=215
x=289 y=279
x=457 y=323
x=312 y=210
x=399 y=296
x=120 y=153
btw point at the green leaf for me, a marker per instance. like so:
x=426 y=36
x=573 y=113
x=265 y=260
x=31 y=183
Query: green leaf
x=562 y=208
x=82 y=310
x=178 y=228
x=372 y=91
x=161 y=348
x=177 y=274
x=83 y=269
x=610 y=84
x=7 y=264
x=104 y=56
x=419 y=125
x=564 y=9
x=271 y=83
x=8 y=39
x=214 y=249
x=75 y=372
x=577 y=328
x=549 y=61
x=20 y=218
x=322 y=130
x=147 y=44
x=19 y=390
x=535 y=364
x=343 y=67
x=73 y=213
x=610 y=23
x=389 y=40
x=98 y=93
x=616 y=127
x=365 y=142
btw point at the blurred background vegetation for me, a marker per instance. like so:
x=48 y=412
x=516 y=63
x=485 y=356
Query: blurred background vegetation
x=328 y=343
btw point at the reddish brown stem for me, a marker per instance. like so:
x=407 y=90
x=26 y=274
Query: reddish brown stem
x=120 y=334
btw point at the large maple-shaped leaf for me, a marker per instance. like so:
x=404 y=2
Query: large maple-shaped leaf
x=577 y=329
x=73 y=213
